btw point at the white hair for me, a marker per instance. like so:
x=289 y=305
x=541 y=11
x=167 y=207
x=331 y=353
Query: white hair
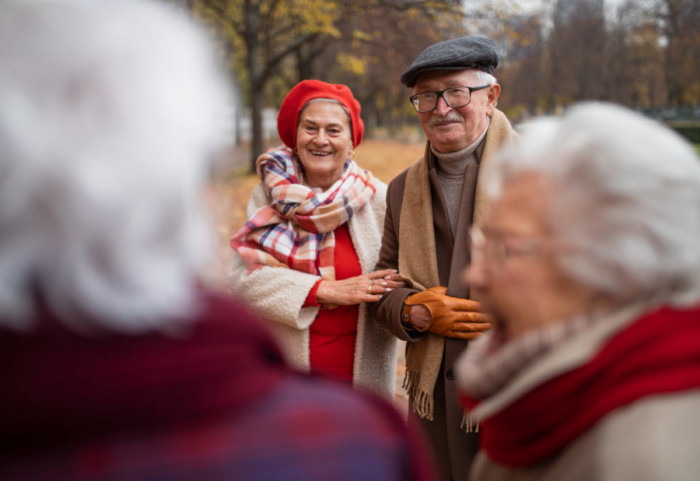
x=625 y=190
x=107 y=113
x=483 y=78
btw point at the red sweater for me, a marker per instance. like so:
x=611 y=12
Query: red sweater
x=332 y=335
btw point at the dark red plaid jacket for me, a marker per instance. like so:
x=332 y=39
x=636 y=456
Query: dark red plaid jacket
x=217 y=404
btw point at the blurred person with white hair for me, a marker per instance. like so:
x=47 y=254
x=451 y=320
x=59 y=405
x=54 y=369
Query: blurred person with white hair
x=589 y=263
x=118 y=362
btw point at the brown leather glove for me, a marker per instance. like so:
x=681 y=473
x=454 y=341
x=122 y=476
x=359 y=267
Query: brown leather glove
x=451 y=316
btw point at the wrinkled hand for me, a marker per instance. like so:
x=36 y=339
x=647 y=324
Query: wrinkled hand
x=449 y=316
x=354 y=290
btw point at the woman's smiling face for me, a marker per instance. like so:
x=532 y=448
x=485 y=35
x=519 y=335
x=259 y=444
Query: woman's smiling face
x=324 y=141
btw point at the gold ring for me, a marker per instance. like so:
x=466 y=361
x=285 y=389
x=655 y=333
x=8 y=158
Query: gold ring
x=369 y=289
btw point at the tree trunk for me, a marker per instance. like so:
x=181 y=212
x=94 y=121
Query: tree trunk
x=256 y=83
x=257 y=141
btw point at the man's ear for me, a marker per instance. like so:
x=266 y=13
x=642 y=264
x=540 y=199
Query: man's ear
x=494 y=92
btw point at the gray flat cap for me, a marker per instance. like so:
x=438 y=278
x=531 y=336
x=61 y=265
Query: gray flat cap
x=456 y=54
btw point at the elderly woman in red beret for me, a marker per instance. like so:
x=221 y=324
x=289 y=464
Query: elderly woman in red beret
x=306 y=255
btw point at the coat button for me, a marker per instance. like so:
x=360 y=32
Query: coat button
x=450 y=375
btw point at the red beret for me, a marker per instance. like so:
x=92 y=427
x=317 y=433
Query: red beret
x=288 y=117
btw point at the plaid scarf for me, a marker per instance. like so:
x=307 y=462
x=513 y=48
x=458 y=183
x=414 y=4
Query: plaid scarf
x=296 y=229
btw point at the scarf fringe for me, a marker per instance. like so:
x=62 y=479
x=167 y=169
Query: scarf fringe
x=469 y=424
x=421 y=401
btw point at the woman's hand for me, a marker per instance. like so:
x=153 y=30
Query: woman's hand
x=354 y=290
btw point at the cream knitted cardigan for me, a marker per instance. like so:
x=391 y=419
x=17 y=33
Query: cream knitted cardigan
x=278 y=295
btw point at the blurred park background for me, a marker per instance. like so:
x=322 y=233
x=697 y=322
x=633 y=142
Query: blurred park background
x=644 y=54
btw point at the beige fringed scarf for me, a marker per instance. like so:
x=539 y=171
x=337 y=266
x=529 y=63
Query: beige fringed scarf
x=417 y=260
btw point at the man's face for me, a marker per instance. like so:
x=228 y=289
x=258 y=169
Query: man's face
x=452 y=129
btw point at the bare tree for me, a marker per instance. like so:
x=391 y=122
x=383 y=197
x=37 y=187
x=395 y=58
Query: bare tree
x=522 y=73
x=267 y=32
x=635 y=57
x=681 y=21
x=577 y=45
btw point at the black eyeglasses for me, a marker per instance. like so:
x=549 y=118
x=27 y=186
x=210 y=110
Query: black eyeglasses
x=454 y=97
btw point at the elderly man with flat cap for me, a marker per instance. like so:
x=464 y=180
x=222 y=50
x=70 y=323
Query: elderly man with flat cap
x=430 y=208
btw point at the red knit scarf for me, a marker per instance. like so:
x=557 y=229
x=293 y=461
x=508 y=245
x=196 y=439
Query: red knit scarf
x=659 y=353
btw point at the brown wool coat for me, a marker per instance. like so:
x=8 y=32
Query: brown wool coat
x=432 y=257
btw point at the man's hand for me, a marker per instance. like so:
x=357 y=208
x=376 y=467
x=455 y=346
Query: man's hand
x=448 y=316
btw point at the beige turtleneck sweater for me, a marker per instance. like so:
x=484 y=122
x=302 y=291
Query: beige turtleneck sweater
x=451 y=167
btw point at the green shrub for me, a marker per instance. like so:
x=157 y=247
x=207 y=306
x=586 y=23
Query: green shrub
x=689 y=131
